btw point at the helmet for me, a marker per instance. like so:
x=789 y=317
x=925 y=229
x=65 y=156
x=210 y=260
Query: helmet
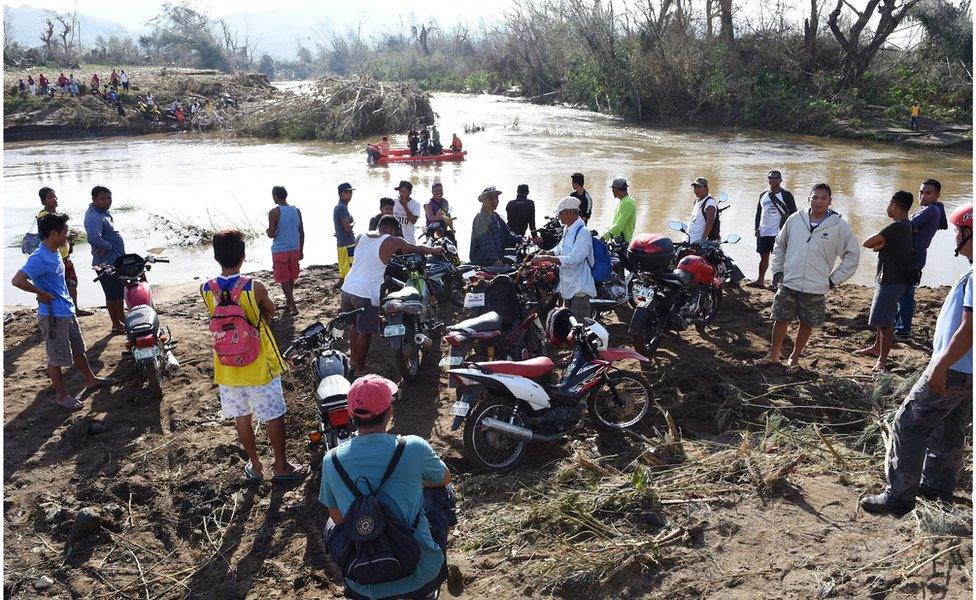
x=559 y=325
x=963 y=216
x=599 y=333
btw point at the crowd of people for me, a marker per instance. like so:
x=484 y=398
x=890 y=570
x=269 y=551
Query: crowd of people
x=808 y=249
x=71 y=85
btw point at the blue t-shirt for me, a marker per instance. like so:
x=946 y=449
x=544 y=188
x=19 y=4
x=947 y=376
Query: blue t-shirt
x=45 y=269
x=926 y=223
x=102 y=235
x=368 y=456
x=960 y=298
x=339 y=214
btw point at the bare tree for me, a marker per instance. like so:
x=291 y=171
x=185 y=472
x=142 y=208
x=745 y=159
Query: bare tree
x=810 y=26
x=858 y=57
x=67 y=25
x=47 y=37
x=709 y=18
x=725 y=14
x=421 y=34
x=8 y=30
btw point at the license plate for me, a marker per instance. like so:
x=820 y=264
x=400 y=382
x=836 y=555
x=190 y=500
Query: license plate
x=460 y=409
x=643 y=291
x=394 y=330
x=450 y=361
x=337 y=333
x=141 y=353
x=471 y=275
x=474 y=300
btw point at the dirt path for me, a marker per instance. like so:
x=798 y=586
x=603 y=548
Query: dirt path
x=750 y=504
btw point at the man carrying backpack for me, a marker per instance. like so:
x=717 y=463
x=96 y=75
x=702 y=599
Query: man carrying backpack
x=390 y=506
x=247 y=362
x=772 y=209
x=575 y=257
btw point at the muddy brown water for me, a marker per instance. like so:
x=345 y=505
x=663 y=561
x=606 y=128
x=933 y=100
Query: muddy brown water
x=215 y=183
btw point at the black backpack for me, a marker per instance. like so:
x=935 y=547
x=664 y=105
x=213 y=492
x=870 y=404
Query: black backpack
x=378 y=548
x=716 y=234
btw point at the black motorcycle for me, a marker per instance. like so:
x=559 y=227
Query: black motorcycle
x=330 y=372
x=410 y=322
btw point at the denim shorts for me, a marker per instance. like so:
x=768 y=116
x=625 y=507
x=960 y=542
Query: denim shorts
x=884 y=306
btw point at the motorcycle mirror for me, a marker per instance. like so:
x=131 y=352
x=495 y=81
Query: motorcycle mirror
x=157 y=250
x=723 y=197
x=677 y=226
x=733 y=239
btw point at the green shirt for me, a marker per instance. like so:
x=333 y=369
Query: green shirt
x=625 y=220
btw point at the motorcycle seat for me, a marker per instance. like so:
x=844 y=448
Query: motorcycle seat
x=333 y=387
x=676 y=277
x=141 y=320
x=490 y=321
x=534 y=367
x=407 y=293
x=497 y=270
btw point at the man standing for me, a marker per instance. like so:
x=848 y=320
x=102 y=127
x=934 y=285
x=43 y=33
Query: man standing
x=521 y=212
x=43 y=275
x=124 y=78
x=106 y=246
x=574 y=255
x=415 y=489
x=895 y=273
x=925 y=223
x=361 y=288
x=407 y=211
x=286 y=228
x=490 y=235
x=928 y=434
x=50 y=201
x=345 y=238
x=772 y=210
x=704 y=214
x=580 y=193
x=625 y=219
x=806 y=250
x=916 y=113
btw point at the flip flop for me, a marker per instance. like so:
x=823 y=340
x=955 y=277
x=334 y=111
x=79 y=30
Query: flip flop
x=793 y=367
x=69 y=403
x=298 y=474
x=249 y=474
x=103 y=382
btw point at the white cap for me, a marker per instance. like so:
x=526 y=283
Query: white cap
x=568 y=203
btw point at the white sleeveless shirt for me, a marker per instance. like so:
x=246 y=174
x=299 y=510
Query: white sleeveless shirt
x=365 y=278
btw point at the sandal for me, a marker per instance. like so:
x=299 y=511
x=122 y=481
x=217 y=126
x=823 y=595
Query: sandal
x=70 y=403
x=766 y=362
x=793 y=367
x=102 y=382
x=250 y=475
x=298 y=474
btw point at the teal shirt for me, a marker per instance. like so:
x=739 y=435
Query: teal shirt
x=367 y=456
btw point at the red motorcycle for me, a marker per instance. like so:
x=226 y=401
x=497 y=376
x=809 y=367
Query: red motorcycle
x=666 y=299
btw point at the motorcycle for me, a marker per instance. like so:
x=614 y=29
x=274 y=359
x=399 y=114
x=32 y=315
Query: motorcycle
x=151 y=344
x=614 y=291
x=409 y=313
x=330 y=373
x=445 y=272
x=666 y=299
x=505 y=405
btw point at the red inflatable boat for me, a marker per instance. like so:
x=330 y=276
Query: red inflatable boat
x=402 y=155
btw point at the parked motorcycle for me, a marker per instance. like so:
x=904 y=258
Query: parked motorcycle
x=330 y=373
x=410 y=323
x=446 y=272
x=614 y=291
x=151 y=344
x=669 y=300
x=505 y=405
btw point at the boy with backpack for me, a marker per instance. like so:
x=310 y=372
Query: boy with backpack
x=247 y=362
x=576 y=259
x=390 y=504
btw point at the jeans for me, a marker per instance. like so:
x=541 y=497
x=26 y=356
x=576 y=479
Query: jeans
x=928 y=437
x=906 y=310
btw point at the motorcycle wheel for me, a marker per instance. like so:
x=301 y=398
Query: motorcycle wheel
x=487 y=449
x=710 y=309
x=153 y=374
x=648 y=340
x=408 y=363
x=623 y=402
x=455 y=291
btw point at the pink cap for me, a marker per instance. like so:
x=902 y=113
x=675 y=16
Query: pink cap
x=370 y=396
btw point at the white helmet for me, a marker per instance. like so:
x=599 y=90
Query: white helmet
x=600 y=334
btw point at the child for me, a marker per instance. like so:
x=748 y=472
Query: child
x=895 y=273
x=386 y=208
x=43 y=274
x=255 y=387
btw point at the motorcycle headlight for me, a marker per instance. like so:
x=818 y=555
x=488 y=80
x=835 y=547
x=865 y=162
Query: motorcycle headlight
x=393 y=306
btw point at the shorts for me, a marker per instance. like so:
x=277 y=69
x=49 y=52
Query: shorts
x=265 y=402
x=884 y=306
x=765 y=244
x=111 y=285
x=345 y=259
x=367 y=321
x=789 y=304
x=285 y=266
x=579 y=305
x=62 y=339
x=70 y=275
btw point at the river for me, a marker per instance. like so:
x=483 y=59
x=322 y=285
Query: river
x=216 y=183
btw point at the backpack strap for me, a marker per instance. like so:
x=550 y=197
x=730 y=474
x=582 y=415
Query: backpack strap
x=345 y=476
x=347 y=480
x=394 y=461
x=238 y=289
x=214 y=288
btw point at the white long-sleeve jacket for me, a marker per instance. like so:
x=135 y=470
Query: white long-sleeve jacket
x=806 y=257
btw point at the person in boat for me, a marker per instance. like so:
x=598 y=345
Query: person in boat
x=455 y=143
x=413 y=140
x=424 y=141
x=435 y=140
x=384 y=146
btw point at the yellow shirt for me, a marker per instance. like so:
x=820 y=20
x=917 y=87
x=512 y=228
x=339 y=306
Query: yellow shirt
x=269 y=363
x=65 y=250
x=916 y=110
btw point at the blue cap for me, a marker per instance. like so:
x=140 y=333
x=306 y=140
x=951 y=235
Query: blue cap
x=345 y=187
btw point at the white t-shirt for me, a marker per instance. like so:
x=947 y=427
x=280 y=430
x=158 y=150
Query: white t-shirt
x=409 y=228
x=770 y=218
x=696 y=227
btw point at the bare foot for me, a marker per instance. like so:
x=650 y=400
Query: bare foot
x=757 y=284
x=291 y=473
x=766 y=362
x=880 y=367
x=869 y=351
x=99 y=382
